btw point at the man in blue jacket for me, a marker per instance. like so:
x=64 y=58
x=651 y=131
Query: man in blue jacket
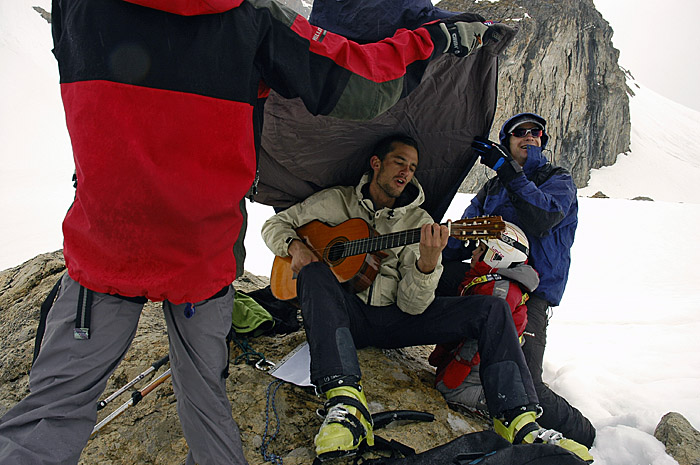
x=540 y=198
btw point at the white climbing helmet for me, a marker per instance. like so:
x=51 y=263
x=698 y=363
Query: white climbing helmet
x=512 y=248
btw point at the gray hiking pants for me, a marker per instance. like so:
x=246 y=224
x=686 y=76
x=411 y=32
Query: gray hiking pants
x=53 y=423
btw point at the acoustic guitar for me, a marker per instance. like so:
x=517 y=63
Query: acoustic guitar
x=353 y=250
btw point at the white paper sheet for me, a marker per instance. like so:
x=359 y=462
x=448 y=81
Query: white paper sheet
x=295 y=367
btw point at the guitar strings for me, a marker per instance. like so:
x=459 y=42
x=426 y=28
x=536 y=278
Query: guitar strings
x=411 y=236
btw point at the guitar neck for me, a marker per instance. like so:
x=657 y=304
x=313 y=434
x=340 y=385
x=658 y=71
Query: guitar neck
x=482 y=227
x=383 y=242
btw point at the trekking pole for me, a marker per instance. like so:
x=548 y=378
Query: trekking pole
x=136 y=397
x=101 y=404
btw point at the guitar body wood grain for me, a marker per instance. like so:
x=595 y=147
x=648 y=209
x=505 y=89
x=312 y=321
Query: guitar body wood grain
x=356 y=272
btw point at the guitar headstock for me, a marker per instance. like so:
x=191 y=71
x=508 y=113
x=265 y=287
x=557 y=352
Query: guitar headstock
x=480 y=227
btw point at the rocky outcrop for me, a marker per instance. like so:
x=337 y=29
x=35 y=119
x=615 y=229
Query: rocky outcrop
x=300 y=6
x=150 y=431
x=682 y=441
x=44 y=14
x=561 y=65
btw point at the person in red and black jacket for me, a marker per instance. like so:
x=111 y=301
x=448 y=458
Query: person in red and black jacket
x=159 y=97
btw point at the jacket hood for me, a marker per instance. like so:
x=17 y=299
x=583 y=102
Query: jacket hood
x=412 y=196
x=189 y=7
x=523 y=274
x=521 y=118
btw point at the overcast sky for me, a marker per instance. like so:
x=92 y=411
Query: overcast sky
x=658 y=43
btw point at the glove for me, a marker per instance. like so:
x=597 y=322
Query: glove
x=466 y=32
x=496 y=157
x=492 y=154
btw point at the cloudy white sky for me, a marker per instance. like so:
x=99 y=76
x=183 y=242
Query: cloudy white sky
x=658 y=44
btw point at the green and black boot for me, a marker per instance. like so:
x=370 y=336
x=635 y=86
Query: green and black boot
x=523 y=429
x=348 y=423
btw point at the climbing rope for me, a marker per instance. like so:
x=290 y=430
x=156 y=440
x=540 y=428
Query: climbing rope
x=249 y=355
x=267 y=440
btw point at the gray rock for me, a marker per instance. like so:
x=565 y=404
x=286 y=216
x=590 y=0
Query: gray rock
x=561 y=65
x=43 y=13
x=682 y=441
x=150 y=431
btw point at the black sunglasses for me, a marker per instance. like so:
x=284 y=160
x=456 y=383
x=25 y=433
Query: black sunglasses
x=520 y=132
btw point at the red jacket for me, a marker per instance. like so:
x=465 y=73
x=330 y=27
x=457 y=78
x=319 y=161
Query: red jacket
x=481 y=279
x=507 y=284
x=160 y=111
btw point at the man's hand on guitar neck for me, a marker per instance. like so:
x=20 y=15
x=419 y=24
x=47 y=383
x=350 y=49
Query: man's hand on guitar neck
x=301 y=255
x=433 y=238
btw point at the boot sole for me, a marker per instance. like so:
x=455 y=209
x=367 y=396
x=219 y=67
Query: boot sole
x=336 y=454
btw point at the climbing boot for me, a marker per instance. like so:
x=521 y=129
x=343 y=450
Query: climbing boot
x=523 y=429
x=348 y=423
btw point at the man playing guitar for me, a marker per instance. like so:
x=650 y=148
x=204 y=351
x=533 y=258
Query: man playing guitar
x=399 y=308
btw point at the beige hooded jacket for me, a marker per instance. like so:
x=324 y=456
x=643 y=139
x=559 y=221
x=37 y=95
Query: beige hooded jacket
x=399 y=280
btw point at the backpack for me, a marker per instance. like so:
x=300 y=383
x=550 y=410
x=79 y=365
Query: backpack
x=485 y=448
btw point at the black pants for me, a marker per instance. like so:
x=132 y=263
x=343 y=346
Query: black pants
x=558 y=413
x=337 y=323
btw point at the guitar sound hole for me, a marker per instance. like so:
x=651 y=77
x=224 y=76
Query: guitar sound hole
x=335 y=252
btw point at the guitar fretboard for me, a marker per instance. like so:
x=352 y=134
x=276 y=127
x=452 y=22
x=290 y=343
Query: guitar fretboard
x=465 y=229
x=383 y=242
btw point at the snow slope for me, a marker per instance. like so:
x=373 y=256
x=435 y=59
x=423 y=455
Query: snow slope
x=664 y=160
x=35 y=151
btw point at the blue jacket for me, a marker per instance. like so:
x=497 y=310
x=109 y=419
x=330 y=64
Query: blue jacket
x=373 y=20
x=542 y=201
